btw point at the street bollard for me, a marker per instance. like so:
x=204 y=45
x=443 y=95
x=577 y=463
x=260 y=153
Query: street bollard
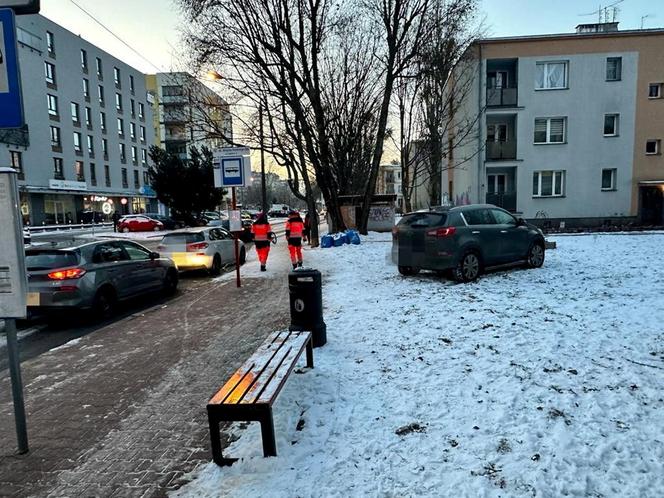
x=306 y=304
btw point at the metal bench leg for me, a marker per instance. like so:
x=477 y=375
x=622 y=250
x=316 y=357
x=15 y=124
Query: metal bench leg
x=267 y=433
x=310 y=353
x=215 y=441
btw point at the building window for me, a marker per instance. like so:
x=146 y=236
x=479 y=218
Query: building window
x=16 y=162
x=146 y=178
x=120 y=127
x=50 y=43
x=93 y=174
x=104 y=146
x=77 y=142
x=611 y=125
x=107 y=175
x=49 y=72
x=548 y=183
x=144 y=156
x=653 y=147
x=58 y=173
x=132 y=105
x=100 y=91
x=141 y=111
x=79 y=169
x=100 y=71
x=84 y=60
x=609 y=179
x=123 y=152
x=550 y=130
x=52 y=104
x=137 y=182
x=125 y=182
x=116 y=77
x=55 y=137
x=75 y=113
x=102 y=121
x=132 y=131
x=143 y=134
x=88 y=117
x=86 y=89
x=613 y=68
x=551 y=75
x=172 y=91
x=91 y=145
x=131 y=84
x=134 y=155
x=655 y=91
x=118 y=102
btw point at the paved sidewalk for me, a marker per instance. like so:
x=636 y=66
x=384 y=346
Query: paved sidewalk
x=121 y=412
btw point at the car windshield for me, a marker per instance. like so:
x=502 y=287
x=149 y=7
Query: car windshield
x=426 y=219
x=183 y=238
x=50 y=260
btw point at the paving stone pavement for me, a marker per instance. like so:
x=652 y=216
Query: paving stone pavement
x=121 y=412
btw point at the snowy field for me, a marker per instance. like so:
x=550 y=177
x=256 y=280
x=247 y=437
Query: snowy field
x=542 y=383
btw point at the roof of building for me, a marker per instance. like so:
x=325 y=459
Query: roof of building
x=572 y=36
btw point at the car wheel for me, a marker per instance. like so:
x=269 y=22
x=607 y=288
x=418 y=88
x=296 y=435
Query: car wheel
x=469 y=267
x=170 y=282
x=535 y=255
x=215 y=270
x=157 y=229
x=408 y=270
x=243 y=256
x=104 y=304
x=125 y=230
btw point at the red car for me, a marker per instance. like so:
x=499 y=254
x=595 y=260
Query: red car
x=139 y=224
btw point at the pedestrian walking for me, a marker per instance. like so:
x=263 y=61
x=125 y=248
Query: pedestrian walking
x=294 y=232
x=306 y=234
x=116 y=219
x=262 y=233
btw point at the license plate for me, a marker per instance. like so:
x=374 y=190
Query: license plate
x=33 y=299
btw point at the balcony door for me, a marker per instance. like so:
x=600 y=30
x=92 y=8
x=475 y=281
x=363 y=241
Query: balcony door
x=497 y=132
x=497 y=79
x=497 y=183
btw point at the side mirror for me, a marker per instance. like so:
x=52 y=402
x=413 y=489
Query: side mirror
x=154 y=255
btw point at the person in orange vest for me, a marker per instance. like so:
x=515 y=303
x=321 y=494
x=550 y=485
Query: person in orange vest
x=294 y=232
x=262 y=233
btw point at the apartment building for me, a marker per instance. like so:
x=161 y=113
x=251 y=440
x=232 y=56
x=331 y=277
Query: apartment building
x=569 y=126
x=187 y=112
x=389 y=182
x=83 y=152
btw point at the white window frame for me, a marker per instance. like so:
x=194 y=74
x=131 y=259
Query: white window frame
x=616 y=124
x=614 y=174
x=78 y=146
x=52 y=101
x=658 y=147
x=659 y=90
x=554 y=173
x=548 y=131
x=546 y=65
x=618 y=68
x=49 y=72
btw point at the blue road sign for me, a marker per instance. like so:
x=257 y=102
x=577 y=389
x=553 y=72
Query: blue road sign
x=232 y=167
x=10 y=82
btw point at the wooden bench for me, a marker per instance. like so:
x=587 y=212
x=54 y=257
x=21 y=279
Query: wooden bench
x=252 y=390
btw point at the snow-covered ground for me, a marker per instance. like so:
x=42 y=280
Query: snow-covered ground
x=544 y=382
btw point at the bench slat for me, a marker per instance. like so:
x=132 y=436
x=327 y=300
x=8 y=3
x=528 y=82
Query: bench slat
x=247 y=374
x=279 y=377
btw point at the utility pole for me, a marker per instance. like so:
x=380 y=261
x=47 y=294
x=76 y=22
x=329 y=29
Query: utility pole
x=261 y=137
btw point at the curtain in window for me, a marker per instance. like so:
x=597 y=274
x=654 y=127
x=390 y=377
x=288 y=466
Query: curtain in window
x=556 y=76
x=539 y=76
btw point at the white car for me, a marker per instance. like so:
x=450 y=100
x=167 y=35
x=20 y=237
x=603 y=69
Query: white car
x=205 y=248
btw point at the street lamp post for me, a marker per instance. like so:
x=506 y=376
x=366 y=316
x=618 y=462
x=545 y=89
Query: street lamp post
x=261 y=138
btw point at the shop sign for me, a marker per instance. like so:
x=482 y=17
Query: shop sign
x=67 y=185
x=107 y=208
x=98 y=198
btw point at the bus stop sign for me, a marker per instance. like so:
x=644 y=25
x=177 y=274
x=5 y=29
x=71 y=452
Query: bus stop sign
x=10 y=83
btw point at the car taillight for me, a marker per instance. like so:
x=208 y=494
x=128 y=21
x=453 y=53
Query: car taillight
x=442 y=232
x=200 y=246
x=66 y=274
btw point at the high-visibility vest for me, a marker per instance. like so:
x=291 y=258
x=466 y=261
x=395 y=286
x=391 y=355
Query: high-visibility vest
x=261 y=231
x=295 y=228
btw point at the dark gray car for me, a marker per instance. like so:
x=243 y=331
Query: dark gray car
x=94 y=275
x=465 y=240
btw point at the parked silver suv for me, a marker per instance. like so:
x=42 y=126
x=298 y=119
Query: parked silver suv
x=94 y=275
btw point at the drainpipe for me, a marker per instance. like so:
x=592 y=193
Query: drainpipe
x=479 y=134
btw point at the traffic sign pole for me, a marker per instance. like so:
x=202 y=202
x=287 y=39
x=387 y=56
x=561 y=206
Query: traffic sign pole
x=237 y=246
x=17 y=386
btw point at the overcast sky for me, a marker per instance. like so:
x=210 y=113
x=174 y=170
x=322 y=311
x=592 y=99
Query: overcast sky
x=151 y=27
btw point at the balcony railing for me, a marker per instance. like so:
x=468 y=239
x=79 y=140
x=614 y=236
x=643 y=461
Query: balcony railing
x=500 y=151
x=501 y=97
x=505 y=200
x=16 y=136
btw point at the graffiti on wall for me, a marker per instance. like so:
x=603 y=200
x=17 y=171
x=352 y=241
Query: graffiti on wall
x=381 y=214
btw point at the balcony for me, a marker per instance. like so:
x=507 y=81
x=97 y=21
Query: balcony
x=500 y=151
x=501 y=97
x=16 y=136
x=505 y=200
